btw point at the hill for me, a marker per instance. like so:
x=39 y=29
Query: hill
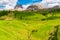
x=26 y=25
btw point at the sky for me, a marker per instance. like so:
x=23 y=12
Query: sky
x=24 y=2
x=10 y=4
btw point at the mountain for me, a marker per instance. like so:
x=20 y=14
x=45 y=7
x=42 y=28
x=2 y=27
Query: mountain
x=18 y=7
x=34 y=7
x=57 y=6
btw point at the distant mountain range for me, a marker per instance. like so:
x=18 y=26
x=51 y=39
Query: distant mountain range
x=31 y=7
x=57 y=6
x=34 y=7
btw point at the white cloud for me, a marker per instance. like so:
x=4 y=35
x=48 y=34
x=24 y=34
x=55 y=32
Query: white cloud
x=9 y=4
x=46 y=3
x=50 y=3
x=25 y=6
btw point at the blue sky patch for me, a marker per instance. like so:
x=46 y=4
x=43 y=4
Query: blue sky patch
x=24 y=2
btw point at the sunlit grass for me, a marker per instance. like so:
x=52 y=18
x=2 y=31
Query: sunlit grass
x=21 y=29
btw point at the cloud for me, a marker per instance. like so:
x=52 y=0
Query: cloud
x=46 y=3
x=25 y=6
x=50 y=3
x=8 y=4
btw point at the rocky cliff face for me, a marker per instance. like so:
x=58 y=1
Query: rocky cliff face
x=18 y=7
x=34 y=7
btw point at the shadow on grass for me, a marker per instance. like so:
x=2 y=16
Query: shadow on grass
x=51 y=18
x=54 y=34
x=22 y=14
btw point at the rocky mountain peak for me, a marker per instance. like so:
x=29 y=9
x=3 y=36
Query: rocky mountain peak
x=18 y=6
x=34 y=7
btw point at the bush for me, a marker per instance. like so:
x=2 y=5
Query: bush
x=2 y=13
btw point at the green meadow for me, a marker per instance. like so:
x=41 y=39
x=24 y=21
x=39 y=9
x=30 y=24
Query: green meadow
x=26 y=25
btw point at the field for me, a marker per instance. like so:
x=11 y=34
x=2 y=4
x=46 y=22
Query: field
x=31 y=27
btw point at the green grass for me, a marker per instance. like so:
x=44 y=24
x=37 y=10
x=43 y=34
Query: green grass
x=20 y=29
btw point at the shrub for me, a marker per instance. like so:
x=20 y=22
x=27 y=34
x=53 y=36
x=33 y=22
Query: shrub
x=2 y=13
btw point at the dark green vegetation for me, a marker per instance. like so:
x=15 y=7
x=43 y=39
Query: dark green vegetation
x=30 y=25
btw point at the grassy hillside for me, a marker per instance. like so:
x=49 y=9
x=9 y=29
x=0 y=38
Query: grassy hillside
x=28 y=25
